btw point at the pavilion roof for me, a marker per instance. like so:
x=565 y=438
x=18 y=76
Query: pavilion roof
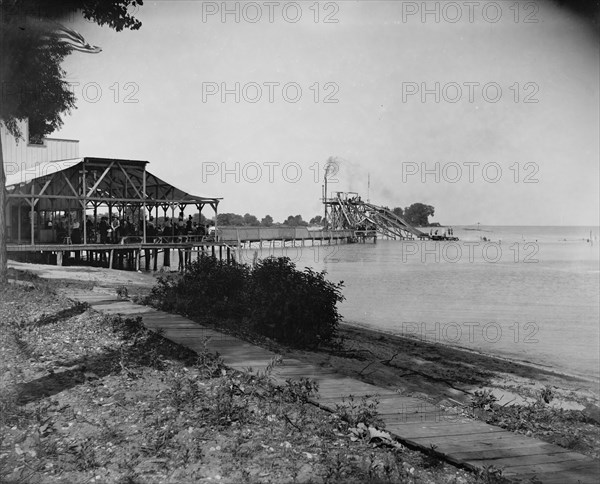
x=77 y=183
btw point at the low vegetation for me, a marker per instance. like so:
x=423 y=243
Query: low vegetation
x=572 y=429
x=88 y=398
x=272 y=298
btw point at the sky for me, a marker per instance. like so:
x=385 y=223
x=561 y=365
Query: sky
x=488 y=112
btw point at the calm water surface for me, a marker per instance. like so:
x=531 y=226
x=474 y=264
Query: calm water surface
x=532 y=293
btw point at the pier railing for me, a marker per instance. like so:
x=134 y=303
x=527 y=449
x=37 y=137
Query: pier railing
x=257 y=234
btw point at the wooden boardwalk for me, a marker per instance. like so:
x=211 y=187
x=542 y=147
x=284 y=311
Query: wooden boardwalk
x=415 y=422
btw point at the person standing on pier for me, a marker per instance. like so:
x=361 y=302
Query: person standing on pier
x=76 y=234
x=116 y=229
x=151 y=234
x=167 y=232
x=76 y=239
x=90 y=230
x=103 y=229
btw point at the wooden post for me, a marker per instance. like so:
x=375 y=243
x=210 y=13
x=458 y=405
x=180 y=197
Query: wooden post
x=97 y=240
x=144 y=206
x=19 y=215
x=32 y=214
x=59 y=258
x=137 y=259
x=84 y=203
x=216 y=209
x=172 y=220
x=110 y=258
x=166 y=257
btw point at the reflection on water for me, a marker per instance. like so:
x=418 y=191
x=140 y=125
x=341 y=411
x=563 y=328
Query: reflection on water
x=531 y=293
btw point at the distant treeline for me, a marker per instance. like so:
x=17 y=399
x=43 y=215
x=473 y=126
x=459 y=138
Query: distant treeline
x=224 y=219
x=416 y=214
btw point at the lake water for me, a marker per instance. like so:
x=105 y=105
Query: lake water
x=528 y=293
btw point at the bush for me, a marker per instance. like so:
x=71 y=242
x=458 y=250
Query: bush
x=296 y=308
x=273 y=298
x=210 y=288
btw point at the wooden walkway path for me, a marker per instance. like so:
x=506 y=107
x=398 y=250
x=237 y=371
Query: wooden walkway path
x=415 y=422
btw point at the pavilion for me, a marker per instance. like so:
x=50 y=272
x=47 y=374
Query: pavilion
x=85 y=187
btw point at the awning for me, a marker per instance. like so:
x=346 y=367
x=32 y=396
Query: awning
x=82 y=182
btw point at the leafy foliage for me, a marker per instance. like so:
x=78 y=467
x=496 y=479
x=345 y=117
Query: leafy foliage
x=251 y=220
x=246 y=220
x=32 y=80
x=363 y=411
x=398 y=211
x=273 y=298
x=296 y=308
x=483 y=399
x=209 y=288
x=418 y=214
x=295 y=221
x=116 y=14
x=266 y=221
x=571 y=429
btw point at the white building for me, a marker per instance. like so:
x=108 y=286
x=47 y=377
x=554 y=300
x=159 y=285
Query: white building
x=20 y=155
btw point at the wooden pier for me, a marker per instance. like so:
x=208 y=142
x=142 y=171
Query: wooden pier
x=245 y=237
x=133 y=254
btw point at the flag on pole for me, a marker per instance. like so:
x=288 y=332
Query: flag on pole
x=74 y=40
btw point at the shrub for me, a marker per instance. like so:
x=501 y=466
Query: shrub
x=294 y=307
x=210 y=287
x=273 y=298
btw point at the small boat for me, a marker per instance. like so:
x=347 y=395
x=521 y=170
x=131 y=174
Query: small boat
x=442 y=233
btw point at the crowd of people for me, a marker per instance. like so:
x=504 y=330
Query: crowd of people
x=116 y=230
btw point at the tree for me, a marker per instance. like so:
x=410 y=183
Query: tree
x=418 y=213
x=398 y=211
x=316 y=220
x=267 y=221
x=295 y=221
x=251 y=220
x=199 y=218
x=224 y=219
x=32 y=80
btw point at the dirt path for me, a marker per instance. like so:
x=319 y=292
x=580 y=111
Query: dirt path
x=97 y=275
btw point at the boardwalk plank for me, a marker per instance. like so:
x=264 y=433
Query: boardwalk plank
x=482 y=444
x=515 y=453
x=518 y=460
x=486 y=439
x=404 y=406
x=381 y=396
x=415 y=431
x=582 y=476
x=572 y=468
